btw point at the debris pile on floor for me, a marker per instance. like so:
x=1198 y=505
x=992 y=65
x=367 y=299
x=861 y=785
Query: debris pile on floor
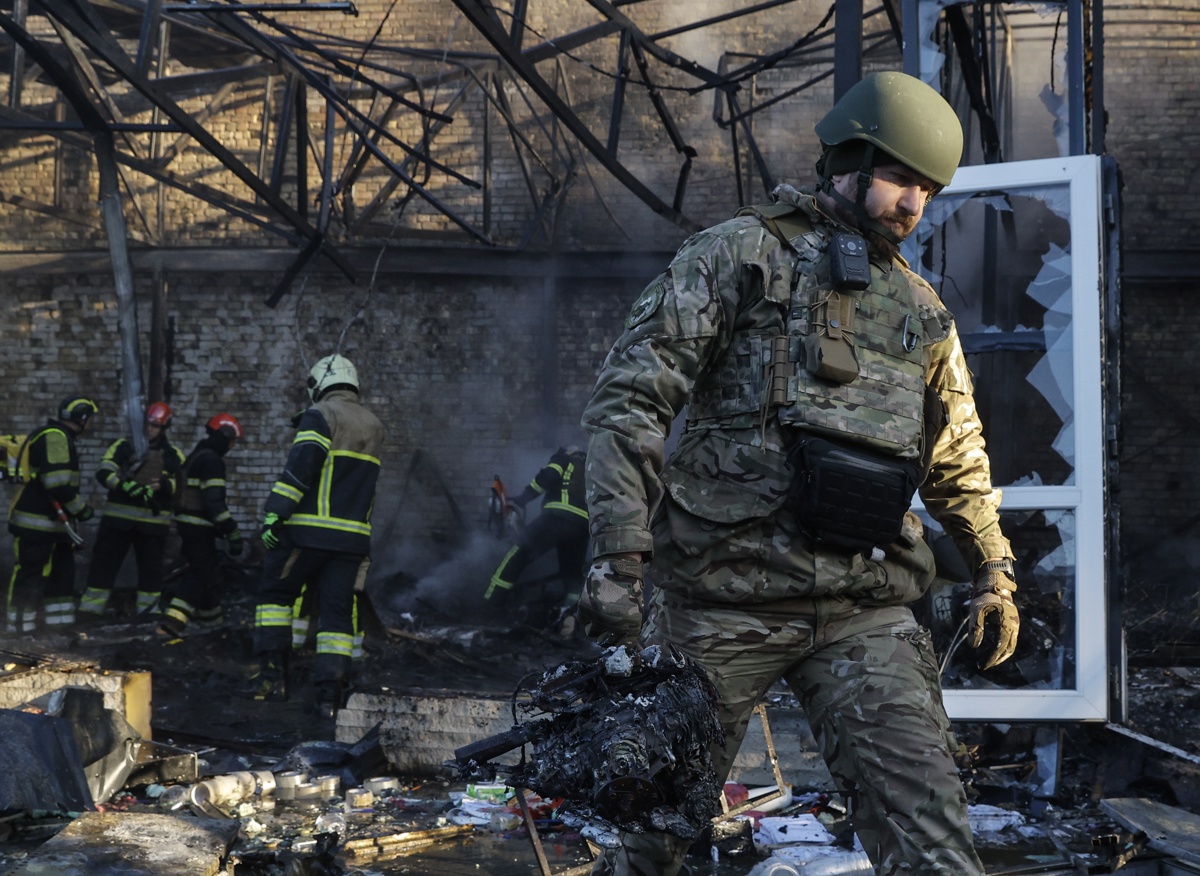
x=252 y=789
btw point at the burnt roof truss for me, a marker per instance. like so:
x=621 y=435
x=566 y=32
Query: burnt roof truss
x=388 y=138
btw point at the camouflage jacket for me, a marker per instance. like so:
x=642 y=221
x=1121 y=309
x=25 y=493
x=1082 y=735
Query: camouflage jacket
x=730 y=465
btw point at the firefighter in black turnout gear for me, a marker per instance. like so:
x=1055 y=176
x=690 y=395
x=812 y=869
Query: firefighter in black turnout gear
x=317 y=531
x=201 y=517
x=562 y=526
x=43 y=578
x=137 y=514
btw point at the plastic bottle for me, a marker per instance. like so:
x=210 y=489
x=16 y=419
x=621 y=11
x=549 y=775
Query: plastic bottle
x=174 y=797
x=331 y=822
x=502 y=821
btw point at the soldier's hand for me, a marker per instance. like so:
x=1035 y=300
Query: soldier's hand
x=610 y=606
x=992 y=614
x=270 y=530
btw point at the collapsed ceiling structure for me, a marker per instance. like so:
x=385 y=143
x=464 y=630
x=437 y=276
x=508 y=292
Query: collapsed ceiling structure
x=140 y=83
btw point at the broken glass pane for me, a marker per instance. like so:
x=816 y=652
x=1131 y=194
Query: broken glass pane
x=1000 y=260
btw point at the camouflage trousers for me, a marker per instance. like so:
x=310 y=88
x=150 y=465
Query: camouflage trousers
x=868 y=681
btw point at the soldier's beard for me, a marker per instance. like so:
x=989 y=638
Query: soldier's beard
x=879 y=248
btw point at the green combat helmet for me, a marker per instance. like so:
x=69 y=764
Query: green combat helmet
x=883 y=117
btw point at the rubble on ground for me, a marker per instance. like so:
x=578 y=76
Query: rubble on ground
x=256 y=788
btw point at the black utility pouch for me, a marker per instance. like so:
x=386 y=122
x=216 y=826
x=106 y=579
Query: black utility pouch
x=850 y=497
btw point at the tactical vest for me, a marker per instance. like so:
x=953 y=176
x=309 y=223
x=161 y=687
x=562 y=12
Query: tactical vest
x=885 y=331
x=151 y=469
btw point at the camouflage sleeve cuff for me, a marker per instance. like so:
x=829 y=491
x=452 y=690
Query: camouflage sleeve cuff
x=991 y=549
x=623 y=541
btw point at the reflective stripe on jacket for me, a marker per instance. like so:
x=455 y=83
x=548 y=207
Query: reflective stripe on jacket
x=202 y=491
x=561 y=483
x=160 y=467
x=327 y=488
x=54 y=477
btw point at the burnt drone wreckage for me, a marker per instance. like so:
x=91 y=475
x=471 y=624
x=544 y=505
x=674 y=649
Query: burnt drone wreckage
x=623 y=739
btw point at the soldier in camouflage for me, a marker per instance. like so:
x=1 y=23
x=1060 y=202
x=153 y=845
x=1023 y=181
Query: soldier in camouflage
x=816 y=368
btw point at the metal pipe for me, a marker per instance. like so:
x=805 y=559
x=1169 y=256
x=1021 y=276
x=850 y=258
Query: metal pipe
x=117 y=232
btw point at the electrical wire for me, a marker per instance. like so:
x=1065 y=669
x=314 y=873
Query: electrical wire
x=960 y=636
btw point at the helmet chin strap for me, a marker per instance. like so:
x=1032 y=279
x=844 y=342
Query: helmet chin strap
x=858 y=207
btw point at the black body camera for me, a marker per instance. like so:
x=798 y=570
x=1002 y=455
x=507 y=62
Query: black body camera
x=849 y=265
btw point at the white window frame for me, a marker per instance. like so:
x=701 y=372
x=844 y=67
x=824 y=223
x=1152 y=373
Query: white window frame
x=1088 y=700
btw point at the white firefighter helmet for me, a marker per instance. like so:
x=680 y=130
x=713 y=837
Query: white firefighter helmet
x=329 y=372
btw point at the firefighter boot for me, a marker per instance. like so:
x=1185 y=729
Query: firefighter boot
x=270 y=682
x=329 y=698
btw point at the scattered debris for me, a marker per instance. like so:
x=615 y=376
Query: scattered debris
x=1167 y=829
x=1045 y=799
x=623 y=738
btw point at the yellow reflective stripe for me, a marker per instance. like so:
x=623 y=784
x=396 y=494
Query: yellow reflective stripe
x=36 y=521
x=562 y=506
x=193 y=520
x=564 y=494
x=204 y=485
x=138 y=515
x=59 y=478
x=60 y=613
x=350 y=454
x=322 y=522
x=288 y=492
x=93 y=600
x=339 y=644
x=267 y=615
x=309 y=436
x=324 y=489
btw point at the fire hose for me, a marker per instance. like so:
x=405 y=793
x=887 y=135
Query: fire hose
x=76 y=538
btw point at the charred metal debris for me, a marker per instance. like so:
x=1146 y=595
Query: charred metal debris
x=623 y=739
x=140 y=83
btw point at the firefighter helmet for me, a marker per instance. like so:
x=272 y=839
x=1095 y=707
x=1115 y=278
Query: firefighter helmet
x=159 y=414
x=77 y=409
x=335 y=370
x=226 y=424
x=898 y=114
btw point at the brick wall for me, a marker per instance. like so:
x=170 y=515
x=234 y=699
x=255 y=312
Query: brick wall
x=482 y=376
x=1160 y=446
x=472 y=378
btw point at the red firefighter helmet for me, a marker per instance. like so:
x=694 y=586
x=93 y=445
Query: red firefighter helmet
x=226 y=423
x=159 y=414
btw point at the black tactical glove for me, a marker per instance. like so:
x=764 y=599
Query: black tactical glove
x=236 y=543
x=610 y=606
x=992 y=596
